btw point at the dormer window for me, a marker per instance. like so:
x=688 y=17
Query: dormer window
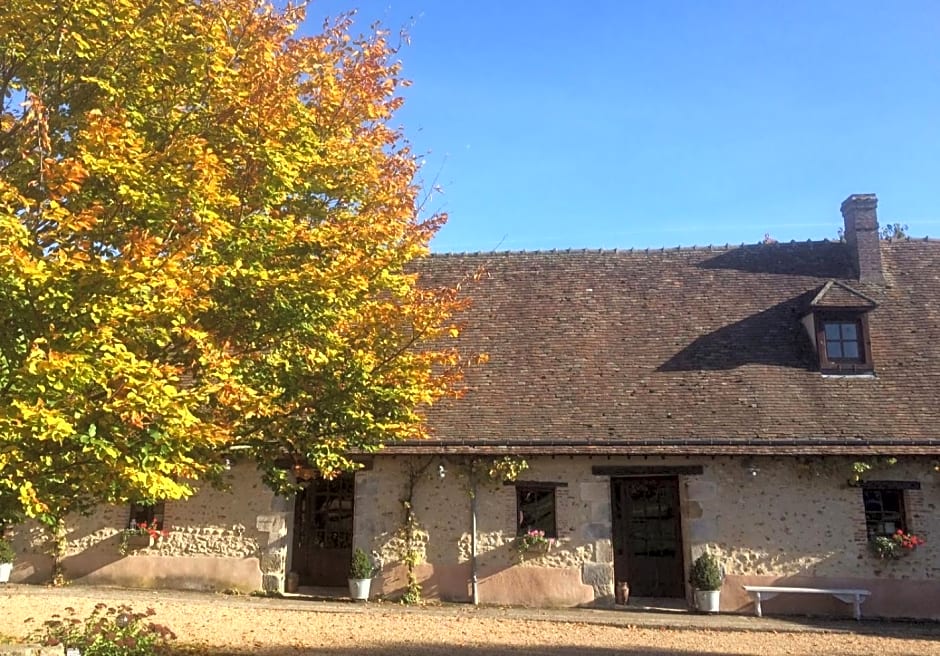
x=842 y=340
x=837 y=324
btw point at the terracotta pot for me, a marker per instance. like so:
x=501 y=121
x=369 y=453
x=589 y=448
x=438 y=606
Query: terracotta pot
x=622 y=593
x=292 y=583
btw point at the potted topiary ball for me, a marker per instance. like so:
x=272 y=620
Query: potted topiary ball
x=361 y=571
x=706 y=578
x=6 y=560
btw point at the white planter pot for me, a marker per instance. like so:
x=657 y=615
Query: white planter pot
x=359 y=589
x=707 y=601
x=5 y=570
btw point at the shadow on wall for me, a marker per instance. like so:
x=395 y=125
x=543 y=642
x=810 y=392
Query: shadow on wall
x=503 y=578
x=447 y=581
x=93 y=542
x=825 y=259
x=96 y=557
x=36 y=568
x=773 y=337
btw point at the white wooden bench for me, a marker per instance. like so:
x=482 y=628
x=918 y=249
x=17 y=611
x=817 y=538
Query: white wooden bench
x=854 y=597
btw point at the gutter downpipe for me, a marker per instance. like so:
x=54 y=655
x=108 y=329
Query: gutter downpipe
x=474 y=590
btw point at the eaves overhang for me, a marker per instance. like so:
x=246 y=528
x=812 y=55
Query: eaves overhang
x=674 y=447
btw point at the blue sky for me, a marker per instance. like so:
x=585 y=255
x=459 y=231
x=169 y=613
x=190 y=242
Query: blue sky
x=647 y=123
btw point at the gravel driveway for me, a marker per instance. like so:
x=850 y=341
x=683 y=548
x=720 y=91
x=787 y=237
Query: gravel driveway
x=219 y=624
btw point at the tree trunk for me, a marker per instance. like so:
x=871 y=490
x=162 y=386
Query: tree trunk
x=59 y=542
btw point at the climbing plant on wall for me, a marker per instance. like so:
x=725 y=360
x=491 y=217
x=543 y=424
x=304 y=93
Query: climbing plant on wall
x=410 y=531
x=474 y=472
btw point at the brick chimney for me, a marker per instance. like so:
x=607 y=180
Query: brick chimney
x=861 y=234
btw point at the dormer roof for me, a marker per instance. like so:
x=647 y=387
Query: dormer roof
x=835 y=294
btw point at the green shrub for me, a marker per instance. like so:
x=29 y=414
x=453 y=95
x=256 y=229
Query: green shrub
x=108 y=631
x=7 y=554
x=361 y=566
x=706 y=573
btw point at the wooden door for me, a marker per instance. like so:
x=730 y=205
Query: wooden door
x=647 y=536
x=323 y=531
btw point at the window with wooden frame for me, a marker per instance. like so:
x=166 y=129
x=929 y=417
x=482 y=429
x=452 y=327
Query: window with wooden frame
x=885 y=508
x=535 y=508
x=146 y=513
x=843 y=343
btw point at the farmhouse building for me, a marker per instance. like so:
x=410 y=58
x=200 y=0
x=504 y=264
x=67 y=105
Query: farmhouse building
x=777 y=405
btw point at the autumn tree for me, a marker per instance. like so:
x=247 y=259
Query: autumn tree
x=208 y=227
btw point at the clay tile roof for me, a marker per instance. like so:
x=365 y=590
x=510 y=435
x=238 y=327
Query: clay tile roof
x=690 y=351
x=835 y=294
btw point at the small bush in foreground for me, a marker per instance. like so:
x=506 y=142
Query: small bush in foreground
x=108 y=631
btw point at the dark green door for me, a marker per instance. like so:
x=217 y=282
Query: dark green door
x=323 y=531
x=647 y=536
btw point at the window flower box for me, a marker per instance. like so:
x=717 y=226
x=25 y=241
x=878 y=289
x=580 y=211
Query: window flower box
x=533 y=542
x=894 y=546
x=141 y=536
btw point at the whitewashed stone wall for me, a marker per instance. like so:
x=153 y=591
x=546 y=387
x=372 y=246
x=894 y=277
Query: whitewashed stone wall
x=797 y=521
x=798 y=517
x=244 y=527
x=801 y=517
x=442 y=506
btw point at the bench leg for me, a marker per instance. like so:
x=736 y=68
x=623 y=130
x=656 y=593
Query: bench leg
x=858 y=608
x=757 y=610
